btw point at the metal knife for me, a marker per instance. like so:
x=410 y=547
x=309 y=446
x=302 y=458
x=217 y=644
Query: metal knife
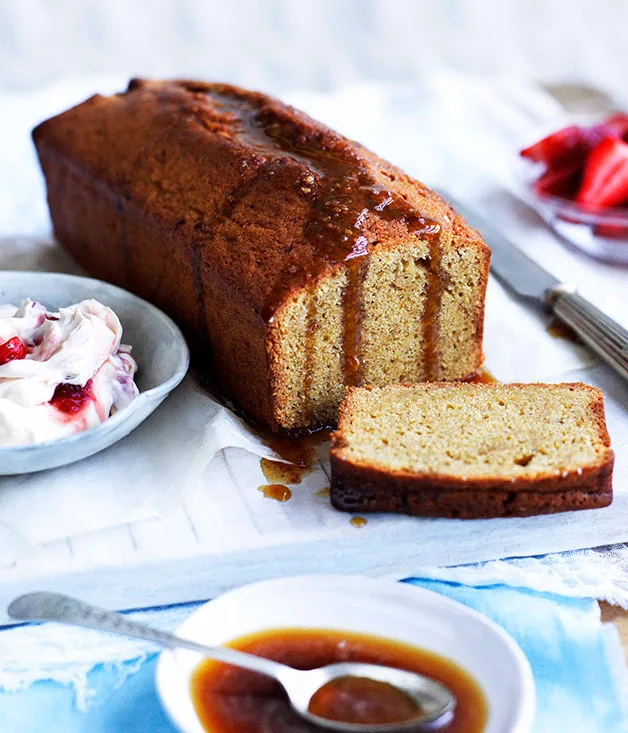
x=530 y=281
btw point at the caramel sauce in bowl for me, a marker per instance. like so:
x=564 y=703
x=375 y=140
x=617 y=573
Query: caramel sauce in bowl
x=312 y=620
x=232 y=700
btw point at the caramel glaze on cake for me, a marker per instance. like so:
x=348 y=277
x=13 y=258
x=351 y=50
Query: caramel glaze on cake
x=296 y=259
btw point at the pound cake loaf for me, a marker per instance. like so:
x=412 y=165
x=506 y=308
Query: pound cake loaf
x=471 y=450
x=296 y=261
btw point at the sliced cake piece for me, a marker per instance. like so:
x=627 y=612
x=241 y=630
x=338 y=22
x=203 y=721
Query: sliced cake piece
x=471 y=450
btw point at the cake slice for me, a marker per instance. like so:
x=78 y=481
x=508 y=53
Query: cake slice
x=471 y=450
x=296 y=261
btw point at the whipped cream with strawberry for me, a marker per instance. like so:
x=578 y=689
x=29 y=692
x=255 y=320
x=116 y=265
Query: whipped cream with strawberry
x=61 y=372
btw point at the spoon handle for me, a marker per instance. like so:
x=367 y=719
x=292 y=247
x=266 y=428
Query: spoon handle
x=44 y=606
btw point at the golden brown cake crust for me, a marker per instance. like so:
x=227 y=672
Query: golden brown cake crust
x=219 y=204
x=263 y=154
x=357 y=486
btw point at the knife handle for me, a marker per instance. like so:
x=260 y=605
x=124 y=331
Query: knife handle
x=608 y=339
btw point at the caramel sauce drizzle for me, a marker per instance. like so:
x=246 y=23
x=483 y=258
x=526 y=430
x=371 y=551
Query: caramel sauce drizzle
x=276 y=472
x=343 y=196
x=278 y=492
x=311 y=326
x=352 y=300
x=300 y=451
x=558 y=330
x=431 y=313
x=482 y=376
x=358 y=522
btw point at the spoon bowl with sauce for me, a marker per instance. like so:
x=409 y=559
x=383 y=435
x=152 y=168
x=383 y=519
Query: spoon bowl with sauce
x=369 y=697
x=350 y=697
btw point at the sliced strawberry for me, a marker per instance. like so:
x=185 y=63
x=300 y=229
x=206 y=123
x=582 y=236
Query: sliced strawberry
x=71 y=398
x=562 y=148
x=617 y=125
x=605 y=178
x=572 y=144
x=12 y=349
x=611 y=231
x=563 y=182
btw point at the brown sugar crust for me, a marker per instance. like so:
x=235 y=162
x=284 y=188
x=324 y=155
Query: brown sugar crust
x=357 y=486
x=221 y=205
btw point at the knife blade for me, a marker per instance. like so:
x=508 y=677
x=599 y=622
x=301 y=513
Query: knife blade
x=519 y=273
x=508 y=263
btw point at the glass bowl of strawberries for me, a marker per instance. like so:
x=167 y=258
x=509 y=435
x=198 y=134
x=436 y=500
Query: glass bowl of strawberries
x=578 y=178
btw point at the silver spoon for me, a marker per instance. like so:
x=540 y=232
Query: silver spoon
x=435 y=702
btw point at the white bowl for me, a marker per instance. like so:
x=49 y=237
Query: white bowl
x=158 y=347
x=395 y=610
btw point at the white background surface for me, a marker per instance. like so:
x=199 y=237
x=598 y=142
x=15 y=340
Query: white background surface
x=320 y=44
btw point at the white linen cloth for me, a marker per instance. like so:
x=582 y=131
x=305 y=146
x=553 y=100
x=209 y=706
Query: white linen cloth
x=172 y=515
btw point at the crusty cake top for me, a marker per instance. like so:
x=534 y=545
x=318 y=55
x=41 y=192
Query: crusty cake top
x=277 y=197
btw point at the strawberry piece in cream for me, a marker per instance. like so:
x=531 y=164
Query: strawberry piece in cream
x=12 y=349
